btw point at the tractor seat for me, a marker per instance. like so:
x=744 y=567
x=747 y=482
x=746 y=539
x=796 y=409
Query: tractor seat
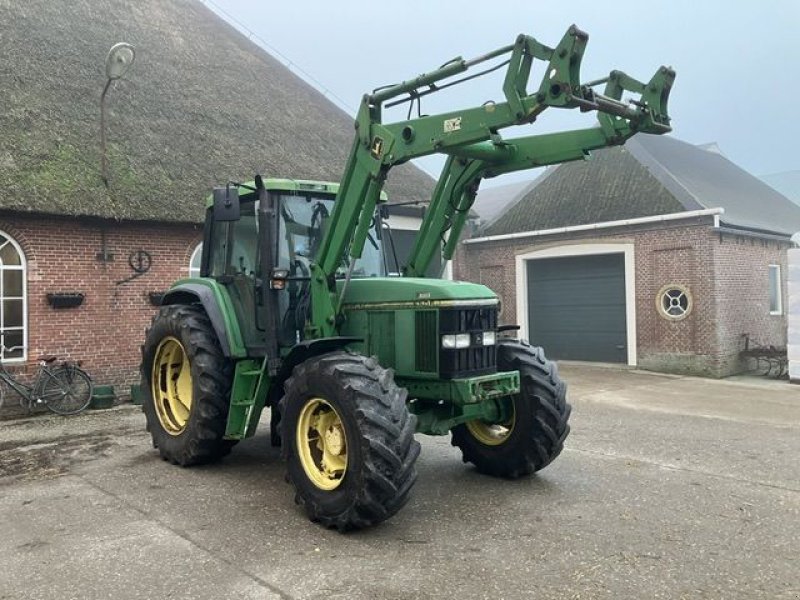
x=48 y=358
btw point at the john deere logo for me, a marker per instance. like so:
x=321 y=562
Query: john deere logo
x=377 y=148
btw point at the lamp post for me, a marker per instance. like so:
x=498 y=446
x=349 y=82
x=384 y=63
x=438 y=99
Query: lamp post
x=118 y=62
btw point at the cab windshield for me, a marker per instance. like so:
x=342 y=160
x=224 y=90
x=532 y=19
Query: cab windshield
x=303 y=222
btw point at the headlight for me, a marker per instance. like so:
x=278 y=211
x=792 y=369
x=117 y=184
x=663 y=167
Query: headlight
x=489 y=338
x=452 y=341
x=449 y=341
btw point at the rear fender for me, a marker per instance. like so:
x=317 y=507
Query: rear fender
x=216 y=303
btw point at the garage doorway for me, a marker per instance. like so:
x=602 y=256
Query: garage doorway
x=578 y=302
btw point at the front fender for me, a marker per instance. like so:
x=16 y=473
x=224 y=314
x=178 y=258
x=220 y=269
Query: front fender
x=306 y=349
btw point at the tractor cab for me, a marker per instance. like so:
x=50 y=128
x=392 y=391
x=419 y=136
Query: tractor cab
x=264 y=257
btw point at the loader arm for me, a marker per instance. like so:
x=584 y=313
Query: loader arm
x=458 y=184
x=463 y=135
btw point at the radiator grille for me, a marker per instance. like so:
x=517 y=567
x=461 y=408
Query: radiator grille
x=477 y=359
x=382 y=337
x=426 y=341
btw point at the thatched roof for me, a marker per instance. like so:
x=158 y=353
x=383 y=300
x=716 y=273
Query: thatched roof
x=201 y=105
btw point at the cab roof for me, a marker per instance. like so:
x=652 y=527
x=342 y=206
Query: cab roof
x=300 y=186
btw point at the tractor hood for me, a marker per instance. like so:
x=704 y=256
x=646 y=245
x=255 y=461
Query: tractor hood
x=395 y=291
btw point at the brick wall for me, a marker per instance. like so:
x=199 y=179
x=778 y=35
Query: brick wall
x=742 y=295
x=677 y=254
x=726 y=276
x=105 y=332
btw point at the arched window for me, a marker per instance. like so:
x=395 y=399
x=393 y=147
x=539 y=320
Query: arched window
x=194 y=261
x=13 y=301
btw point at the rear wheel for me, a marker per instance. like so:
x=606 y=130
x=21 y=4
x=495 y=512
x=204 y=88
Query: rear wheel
x=348 y=440
x=532 y=434
x=186 y=382
x=67 y=390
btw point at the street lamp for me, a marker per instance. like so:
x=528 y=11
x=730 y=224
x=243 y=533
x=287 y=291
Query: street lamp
x=118 y=62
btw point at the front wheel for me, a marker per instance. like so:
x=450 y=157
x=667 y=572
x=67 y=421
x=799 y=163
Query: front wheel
x=536 y=424
x=67 y=390
x=348 y=440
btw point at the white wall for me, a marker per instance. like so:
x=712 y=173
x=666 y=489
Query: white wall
x=793 y=314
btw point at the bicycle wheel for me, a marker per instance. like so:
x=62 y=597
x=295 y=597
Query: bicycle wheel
x=66 y=390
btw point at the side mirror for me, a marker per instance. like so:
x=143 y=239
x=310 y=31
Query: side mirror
x=226 y=203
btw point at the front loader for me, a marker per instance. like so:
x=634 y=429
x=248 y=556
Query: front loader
x=293 y=310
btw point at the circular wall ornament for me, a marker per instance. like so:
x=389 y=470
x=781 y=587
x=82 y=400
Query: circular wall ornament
x=674 y=302
x=140 y=261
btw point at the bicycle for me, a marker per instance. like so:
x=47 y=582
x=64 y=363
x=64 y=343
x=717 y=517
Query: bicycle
x=64 y=389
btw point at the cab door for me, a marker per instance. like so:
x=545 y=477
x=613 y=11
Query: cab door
x=233 y=260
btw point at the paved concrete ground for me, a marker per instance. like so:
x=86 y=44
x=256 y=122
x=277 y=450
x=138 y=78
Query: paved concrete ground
x=669 y=488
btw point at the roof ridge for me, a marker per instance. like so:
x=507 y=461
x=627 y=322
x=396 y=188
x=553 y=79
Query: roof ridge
x=276 y=53
x=713 y=179
x=636 y=150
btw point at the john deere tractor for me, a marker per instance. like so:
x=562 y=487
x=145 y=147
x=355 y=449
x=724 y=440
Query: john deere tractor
x=293 y=309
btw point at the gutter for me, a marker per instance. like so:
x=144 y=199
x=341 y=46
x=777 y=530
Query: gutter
x=755 y=233
x=715 y=212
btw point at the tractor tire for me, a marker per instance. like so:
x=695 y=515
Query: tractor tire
x=186 y=384
x=535 y=434
x=348 y=440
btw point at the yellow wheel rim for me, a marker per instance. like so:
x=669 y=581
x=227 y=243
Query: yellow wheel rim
x=322 y=444
x=171 y=382
x=491 y=434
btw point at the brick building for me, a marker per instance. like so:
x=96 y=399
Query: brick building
x=201 y=104
x=659 y=254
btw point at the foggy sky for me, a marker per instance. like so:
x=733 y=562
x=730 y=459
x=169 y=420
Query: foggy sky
x=737 y=62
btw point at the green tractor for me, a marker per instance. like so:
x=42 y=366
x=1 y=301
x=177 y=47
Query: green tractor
x=293 y=309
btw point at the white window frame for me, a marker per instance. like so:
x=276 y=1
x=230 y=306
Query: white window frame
x=777 y=270
x=197 y=252
x=23 y=266
x=625 y=248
